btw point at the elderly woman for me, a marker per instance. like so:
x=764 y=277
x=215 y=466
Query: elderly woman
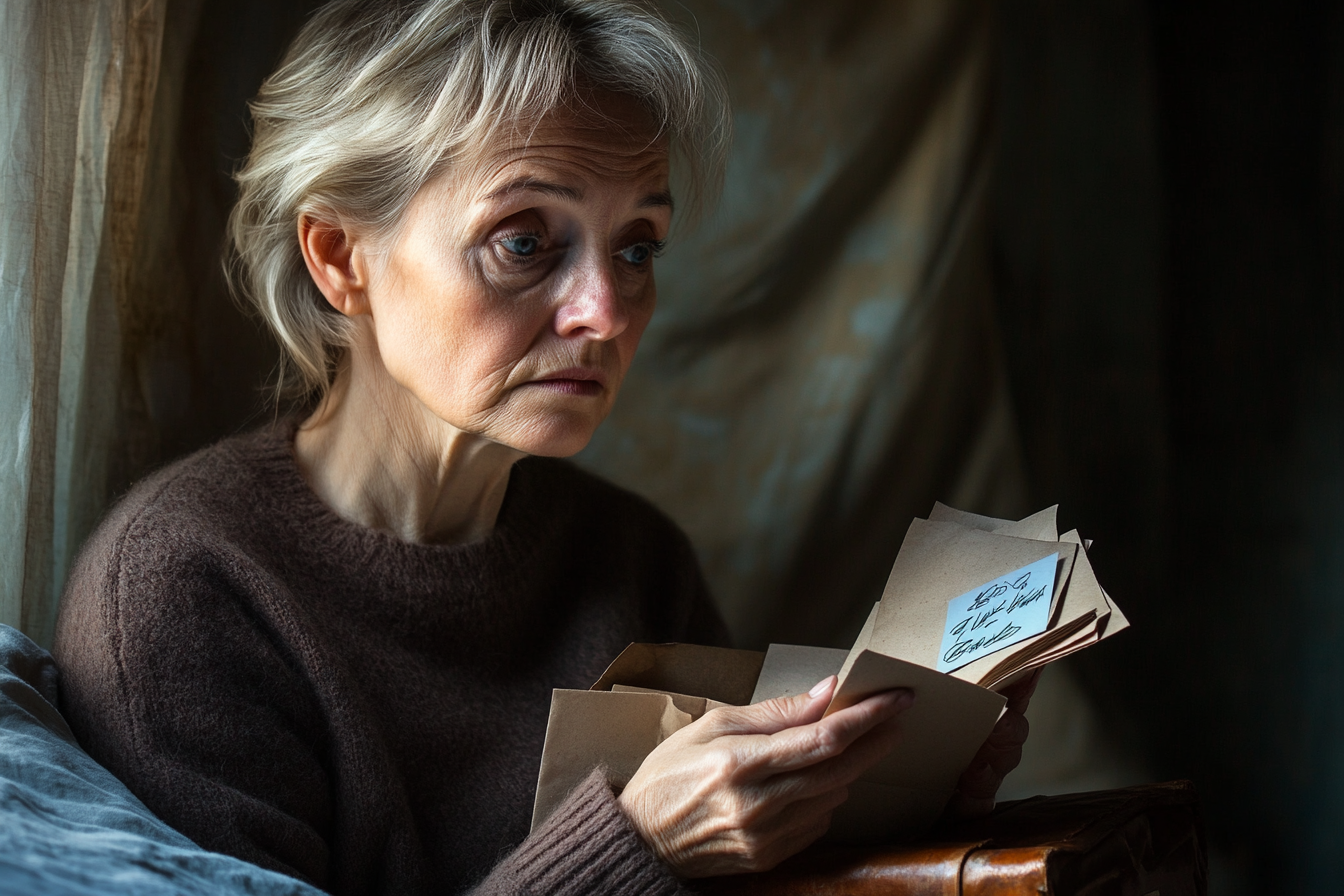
x=328 y=647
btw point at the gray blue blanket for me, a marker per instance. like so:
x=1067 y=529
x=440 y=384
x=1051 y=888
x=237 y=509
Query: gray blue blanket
x=69 y=828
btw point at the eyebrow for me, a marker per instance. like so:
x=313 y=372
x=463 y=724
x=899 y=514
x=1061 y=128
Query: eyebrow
x=661 y=199
x=532 y=185
x=657 y=200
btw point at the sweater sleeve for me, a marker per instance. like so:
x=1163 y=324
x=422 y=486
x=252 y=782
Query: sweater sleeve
x=586 y=848
x=170 y=681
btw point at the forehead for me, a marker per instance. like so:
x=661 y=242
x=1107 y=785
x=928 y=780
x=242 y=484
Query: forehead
x=602 y=137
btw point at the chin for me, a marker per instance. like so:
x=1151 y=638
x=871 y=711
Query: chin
x=559 y=436
x=557 y=447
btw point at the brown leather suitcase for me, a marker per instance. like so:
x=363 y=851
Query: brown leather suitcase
x=1136 y=841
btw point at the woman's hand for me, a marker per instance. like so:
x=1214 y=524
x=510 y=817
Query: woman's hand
x=744 y=788
x=999 y=755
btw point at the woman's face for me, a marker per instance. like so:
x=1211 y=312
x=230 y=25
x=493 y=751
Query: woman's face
x=512 y=300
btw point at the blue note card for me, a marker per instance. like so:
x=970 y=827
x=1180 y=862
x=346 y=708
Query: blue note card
x=1004 y=611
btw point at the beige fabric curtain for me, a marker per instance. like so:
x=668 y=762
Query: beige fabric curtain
x=77 y=81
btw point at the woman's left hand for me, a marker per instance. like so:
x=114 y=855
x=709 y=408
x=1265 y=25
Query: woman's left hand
x=998 y=756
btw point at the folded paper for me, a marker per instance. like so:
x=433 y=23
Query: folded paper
x=972 y=605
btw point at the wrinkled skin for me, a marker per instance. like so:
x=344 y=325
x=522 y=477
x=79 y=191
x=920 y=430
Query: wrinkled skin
x=746 y=787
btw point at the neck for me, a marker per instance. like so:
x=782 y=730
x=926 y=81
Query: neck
x=380 y=458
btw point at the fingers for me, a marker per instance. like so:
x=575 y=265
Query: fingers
x=978 y=787
x=985 y=775
x=806 y=745
x=770 y=716
x=836 y=773
x=1019 y=693
x=782 y=796
x=998 y=756
x=962 y=806
x=992 y=764
x=1009 y=732
x=745 y=787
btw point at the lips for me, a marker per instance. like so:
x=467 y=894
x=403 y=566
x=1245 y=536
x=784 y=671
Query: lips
x=573 y=381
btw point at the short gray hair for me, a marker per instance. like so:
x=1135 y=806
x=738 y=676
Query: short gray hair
x=377 y=97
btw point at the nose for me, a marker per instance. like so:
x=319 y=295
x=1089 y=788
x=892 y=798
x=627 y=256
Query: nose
x=592 y=306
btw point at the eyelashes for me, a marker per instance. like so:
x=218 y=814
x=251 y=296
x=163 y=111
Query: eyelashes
x=641 y=253
x=524 y=247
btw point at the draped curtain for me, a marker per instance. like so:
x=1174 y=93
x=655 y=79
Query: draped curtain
x=825 y=361
x=77 y=81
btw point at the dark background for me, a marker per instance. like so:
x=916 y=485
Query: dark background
x=1167 y=255
x=1170 y=235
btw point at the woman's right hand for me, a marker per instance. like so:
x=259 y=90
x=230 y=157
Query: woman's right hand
x=745 y=787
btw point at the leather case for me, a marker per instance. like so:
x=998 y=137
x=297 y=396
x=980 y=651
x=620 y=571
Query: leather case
x=1135 y=841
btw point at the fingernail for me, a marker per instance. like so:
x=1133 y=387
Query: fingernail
x=820 y=687
x=904 y=699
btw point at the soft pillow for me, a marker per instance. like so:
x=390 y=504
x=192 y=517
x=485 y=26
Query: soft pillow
x=69 y=828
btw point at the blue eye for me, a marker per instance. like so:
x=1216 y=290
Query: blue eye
x=639 y=253
x=524 y=244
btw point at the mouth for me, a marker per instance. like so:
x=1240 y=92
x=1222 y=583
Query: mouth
x=573 y=381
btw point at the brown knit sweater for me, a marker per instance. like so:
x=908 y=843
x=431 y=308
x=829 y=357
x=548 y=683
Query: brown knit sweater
x=328 y=701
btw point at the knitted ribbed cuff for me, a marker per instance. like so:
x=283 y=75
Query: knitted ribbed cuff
x=587 y=846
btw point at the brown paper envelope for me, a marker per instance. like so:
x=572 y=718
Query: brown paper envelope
x=1085 y=596
x=1117 y=621
x=591 y=728
x=790 y=669
x=693 y=706
x=884 y=814
x=1049 y=646
x=1003 y=683
x=1092 y=635
x=1040 y=525
x=941 y=513
x=861 y=642
x=1087 y=592
x=941 y=561
x=1083 y=640
x=1082 y=636
x=1038 y=663
x=1082 y=604
x=728 y=676
x=1063 y=578
x=940 y=733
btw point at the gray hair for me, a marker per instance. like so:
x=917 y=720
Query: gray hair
x=374 y=99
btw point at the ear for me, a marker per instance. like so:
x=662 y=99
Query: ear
x=334 y=264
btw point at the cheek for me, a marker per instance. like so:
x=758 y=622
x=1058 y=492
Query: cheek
x=450 y=341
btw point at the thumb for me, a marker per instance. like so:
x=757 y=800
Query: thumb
x=770 y=716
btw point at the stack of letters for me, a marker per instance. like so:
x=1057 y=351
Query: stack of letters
x=972 y=605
